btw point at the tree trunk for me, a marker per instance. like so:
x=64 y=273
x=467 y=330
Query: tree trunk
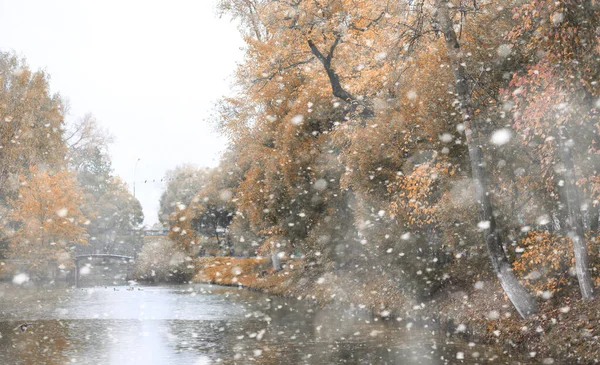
x=524 y=303
x=334 y=79
x=275 y=259
x=594 y=216
x=217 y=236
x=561 y=211
x=575 y=219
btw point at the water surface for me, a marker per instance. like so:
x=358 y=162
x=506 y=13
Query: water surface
x=202 y=324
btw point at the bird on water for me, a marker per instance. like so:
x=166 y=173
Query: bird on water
x=23 y=327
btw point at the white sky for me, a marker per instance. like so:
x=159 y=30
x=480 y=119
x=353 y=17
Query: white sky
x=150 y=71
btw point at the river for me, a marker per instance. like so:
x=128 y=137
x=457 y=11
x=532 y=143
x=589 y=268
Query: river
x=203 y=324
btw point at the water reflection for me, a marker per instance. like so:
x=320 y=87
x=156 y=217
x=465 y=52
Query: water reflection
x=45 y=343
x=201 y=324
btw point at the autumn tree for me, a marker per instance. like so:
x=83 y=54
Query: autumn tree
x=49 y=222
x=521 y=299
x=379 y=133
x=348 y=48
x=30 y=132
x=298 y=96
x=32 y=120
x=555 y=106
x=311 y=70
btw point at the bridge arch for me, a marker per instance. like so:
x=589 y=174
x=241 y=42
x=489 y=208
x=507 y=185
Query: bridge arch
x=79 y=258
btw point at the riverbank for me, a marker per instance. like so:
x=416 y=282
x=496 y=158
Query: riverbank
x=564 y=332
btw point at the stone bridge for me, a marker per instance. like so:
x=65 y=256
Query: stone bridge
x=119 y=261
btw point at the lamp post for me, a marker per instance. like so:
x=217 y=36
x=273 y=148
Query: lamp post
x=136 y=163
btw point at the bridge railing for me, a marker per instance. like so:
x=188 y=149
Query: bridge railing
x=103 y=255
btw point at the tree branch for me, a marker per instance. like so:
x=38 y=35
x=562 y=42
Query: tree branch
x=280 y=69
x=332 y=48
x=374 y=21
x=334 y=79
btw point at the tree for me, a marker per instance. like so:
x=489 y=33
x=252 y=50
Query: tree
x=211 y=211
x=249 y=12
x=212 y=221
x=347 y=147
x=85 y=138
x=521 y=299
x=341 y=44
x=183 y=183
x=32 y=121
x=30 y=130
x=555 y=98
x=117 y=218
x=115 y=215
x=49 y=222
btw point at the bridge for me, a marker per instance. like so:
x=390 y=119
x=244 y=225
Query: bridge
x=79 y=258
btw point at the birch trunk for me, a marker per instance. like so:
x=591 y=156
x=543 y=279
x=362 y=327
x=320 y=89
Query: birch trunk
x=275 y=259
x=575 y=219
x=523 y=301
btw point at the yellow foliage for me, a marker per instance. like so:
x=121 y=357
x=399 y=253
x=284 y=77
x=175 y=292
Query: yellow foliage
x=253 y=272
x=419 y=192
x=49 y=222
x=547 y=261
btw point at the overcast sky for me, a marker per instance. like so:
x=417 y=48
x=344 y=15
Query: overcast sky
x=150 y=71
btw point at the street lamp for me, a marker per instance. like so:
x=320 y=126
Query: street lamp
x=136 y=163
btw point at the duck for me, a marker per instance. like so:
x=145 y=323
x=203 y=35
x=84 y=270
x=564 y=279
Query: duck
x=23 y=327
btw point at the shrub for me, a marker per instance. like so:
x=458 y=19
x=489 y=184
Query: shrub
x=161 y=261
